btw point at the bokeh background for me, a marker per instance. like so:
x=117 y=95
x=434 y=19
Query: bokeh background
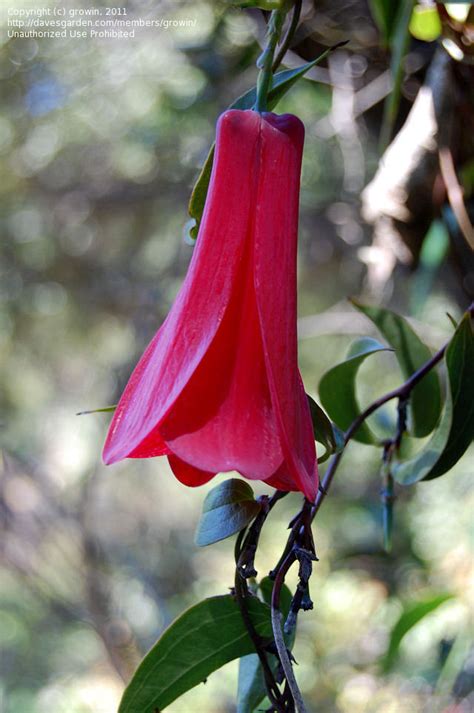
x=100 y=142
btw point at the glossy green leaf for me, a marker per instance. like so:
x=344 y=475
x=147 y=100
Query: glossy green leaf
x=411 y=354
x=412 y=614
x=325 y=432
x=227 y=509
x=201 y=640
x=425 y=23
x=251 y=684
x=337 y=388
x=281 y=84
x=455 y=430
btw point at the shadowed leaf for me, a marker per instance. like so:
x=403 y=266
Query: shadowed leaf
x=325 y=432
x=201 y=640
x=455 y=430
x=227 y=509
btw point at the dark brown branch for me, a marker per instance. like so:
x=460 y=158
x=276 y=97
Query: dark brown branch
x=246 y=554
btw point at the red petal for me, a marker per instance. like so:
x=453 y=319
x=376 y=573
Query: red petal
x=183 y=340
x=187 y=474
x=275 y=265
x=224 y=419
x=282 y=480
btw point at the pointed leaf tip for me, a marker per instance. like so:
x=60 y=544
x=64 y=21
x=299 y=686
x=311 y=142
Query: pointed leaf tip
x=104 y=409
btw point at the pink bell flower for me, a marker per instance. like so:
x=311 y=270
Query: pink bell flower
x=218 y=388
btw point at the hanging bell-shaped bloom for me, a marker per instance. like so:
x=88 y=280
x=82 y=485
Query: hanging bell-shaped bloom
x=218 y=388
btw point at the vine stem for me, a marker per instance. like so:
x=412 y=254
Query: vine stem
x=278 y=633
x=300 y=536
x=247 y=541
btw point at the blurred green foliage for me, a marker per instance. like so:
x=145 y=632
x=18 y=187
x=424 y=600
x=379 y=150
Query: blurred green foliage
x=100 y=142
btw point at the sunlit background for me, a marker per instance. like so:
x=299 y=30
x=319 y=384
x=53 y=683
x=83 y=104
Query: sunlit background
x=100 y=141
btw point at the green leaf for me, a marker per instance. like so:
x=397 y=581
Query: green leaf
x=325 y=432
x=455 y=430
x=104 y=409
x=411 y=615
x=251 y=685
x=283 y=81
x=452 y=320
x=384 y=13
x=432 y=255
x=337 y=388
x=425 y=23
x=281 y=84
x=459 y=360
x=398 y=41
x=199 y=194
x=227 y=509
x=411 y=354
x=201 y=640
x=251 y=688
